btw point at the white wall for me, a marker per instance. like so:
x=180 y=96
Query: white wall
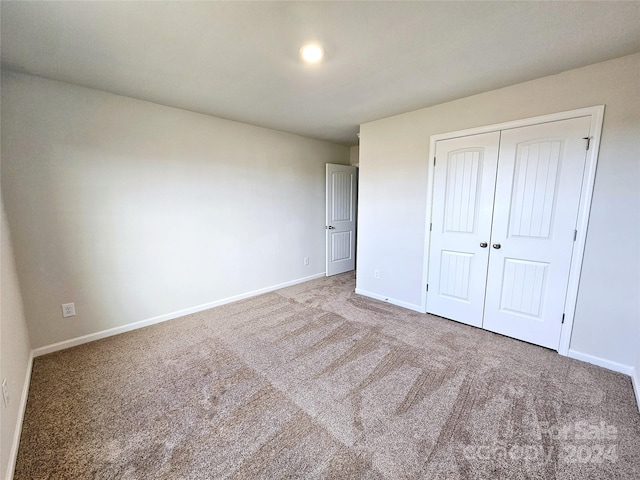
x=354 y=155
x=134 y=210
x=636 y=373
x=15 y=353
x=393 y=186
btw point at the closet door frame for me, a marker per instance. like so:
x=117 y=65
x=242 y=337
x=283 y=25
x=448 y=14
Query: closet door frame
x=596 y=115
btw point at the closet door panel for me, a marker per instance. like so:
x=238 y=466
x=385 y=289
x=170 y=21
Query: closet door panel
x=464 y=182
x=537 y=196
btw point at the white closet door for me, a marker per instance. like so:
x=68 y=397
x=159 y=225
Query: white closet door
x=536 y=207
x=464 y=182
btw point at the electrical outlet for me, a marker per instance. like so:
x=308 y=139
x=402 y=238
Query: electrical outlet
x=376 y=274
x=306 y=260
x=68 y=309
x=5 y=392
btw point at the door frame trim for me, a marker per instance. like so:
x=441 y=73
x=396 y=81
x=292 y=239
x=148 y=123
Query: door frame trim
x=596 y=113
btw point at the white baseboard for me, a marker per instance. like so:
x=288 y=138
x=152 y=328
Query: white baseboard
x=601 y=362
x=163 y=318
x=635 y=380
x=399 y=303
x=610 y=365
x=13 y=455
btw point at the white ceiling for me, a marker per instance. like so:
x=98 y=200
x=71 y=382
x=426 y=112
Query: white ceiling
x=239 y=60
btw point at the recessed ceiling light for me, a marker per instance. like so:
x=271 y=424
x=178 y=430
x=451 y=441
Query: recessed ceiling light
x=312 y=53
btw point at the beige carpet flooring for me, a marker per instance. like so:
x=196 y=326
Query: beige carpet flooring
x=314 y=381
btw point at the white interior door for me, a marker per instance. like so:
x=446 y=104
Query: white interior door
x=342 y=188
x=464 y=182
x=538 y=187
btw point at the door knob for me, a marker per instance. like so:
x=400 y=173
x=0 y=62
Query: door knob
x=496 y=246
x=331 y=227
x=483 y=244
